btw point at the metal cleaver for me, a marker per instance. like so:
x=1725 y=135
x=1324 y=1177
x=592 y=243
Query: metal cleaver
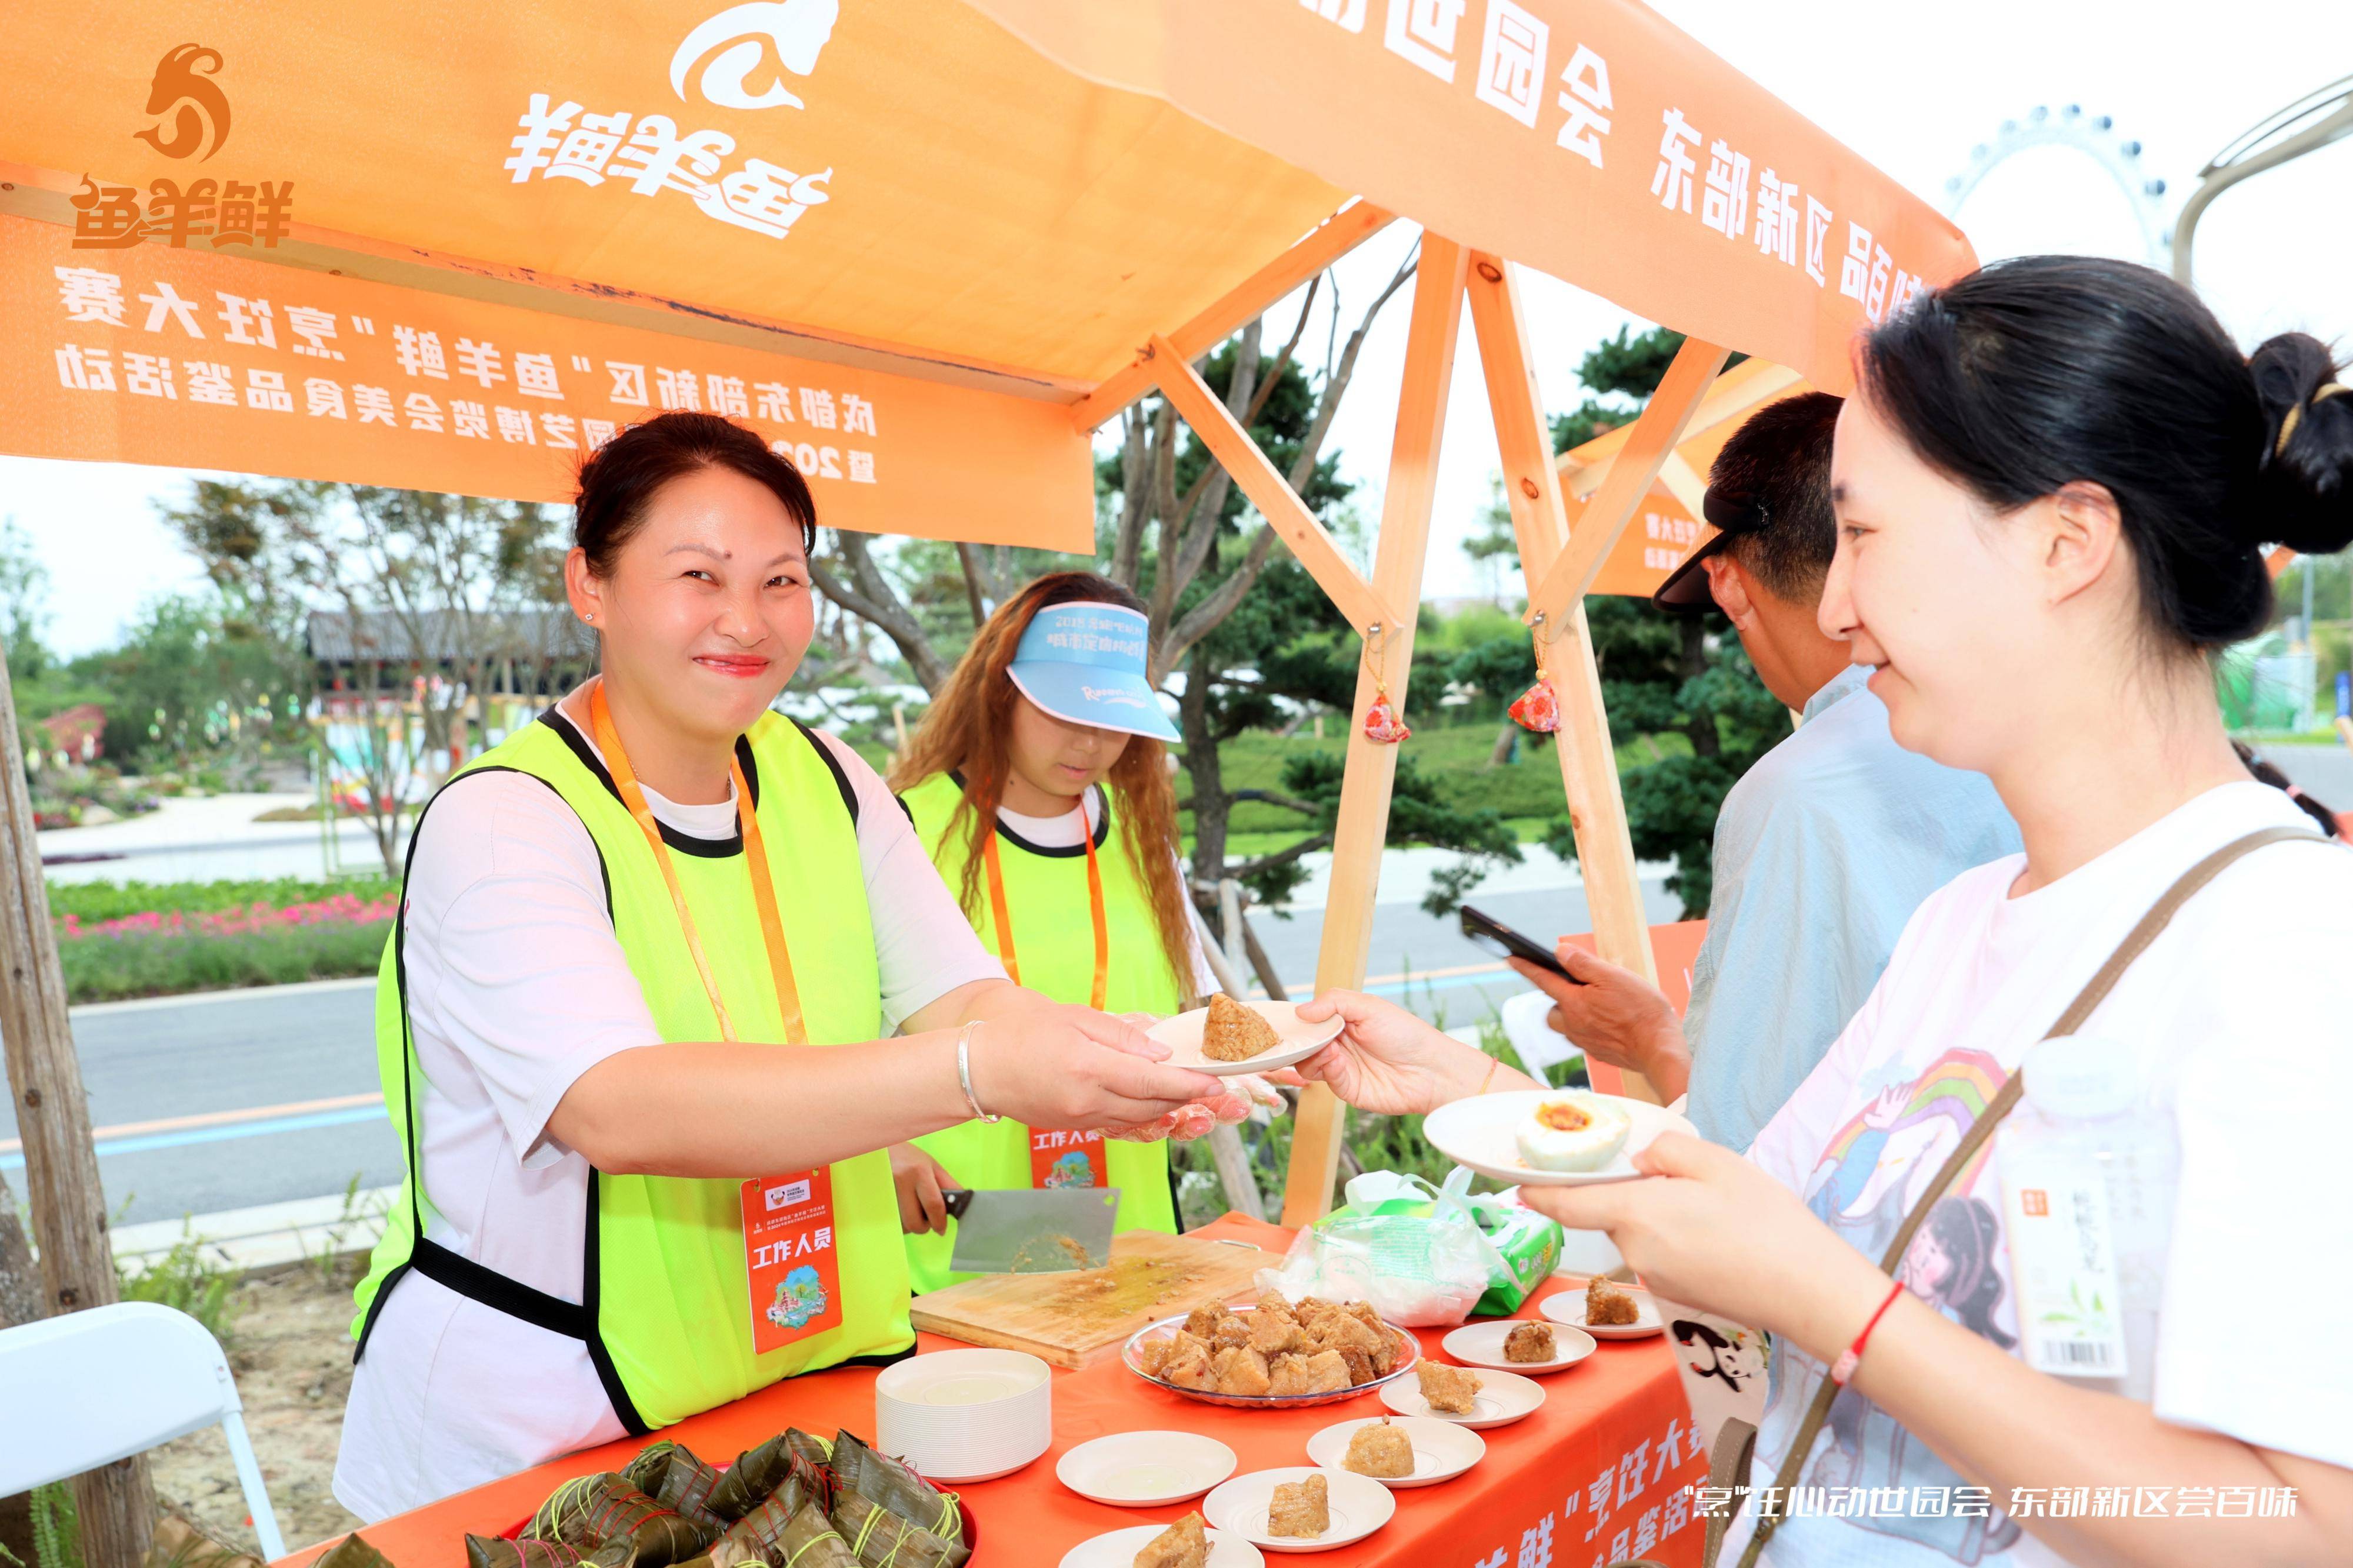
x=1023 y=1231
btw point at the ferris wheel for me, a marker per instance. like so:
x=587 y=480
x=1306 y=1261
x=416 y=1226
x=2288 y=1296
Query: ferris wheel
x=2097 y=138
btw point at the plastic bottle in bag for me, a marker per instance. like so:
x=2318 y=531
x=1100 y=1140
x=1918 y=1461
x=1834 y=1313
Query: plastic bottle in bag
x=2090 y=1167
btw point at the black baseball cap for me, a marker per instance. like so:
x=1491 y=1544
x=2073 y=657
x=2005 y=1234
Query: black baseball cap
x=1685 y=591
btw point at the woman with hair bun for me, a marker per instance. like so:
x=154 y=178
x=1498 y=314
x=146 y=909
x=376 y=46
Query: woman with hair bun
x=634 y=1022
x=2053 y=488
x=1038 y=783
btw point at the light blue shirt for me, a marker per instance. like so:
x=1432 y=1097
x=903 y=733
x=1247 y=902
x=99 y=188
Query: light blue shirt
x=1823 y=851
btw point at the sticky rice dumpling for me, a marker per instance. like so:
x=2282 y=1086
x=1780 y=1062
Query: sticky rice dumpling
x=606 y=1517
x=670 y=1474
x=915 y=1509
x=1233 y=1033
x=490 y=1551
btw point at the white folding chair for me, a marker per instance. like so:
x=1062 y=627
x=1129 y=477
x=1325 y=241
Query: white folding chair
x=88 y=1388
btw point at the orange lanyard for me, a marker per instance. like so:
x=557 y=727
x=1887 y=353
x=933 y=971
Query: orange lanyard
x=763 y=887
x=1094 y=897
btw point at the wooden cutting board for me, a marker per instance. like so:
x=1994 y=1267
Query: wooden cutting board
x=1077 y=1319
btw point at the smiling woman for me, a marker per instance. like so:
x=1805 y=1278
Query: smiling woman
x=632 y=1019
x=2052 y=490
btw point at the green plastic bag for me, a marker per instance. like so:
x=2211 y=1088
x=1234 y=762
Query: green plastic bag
x=1524 y=1245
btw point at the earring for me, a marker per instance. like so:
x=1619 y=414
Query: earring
x=590 y=618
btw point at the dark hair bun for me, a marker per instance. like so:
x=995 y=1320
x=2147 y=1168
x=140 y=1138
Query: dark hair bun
x=2305 y=498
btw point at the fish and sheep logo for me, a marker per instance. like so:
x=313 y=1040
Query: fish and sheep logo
x=191 y=123
x=1072 y=1171
x=198 y=109
x=754 y=41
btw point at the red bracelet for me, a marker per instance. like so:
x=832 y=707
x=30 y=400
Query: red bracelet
x=1851 y=1357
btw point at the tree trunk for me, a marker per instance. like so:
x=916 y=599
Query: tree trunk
x=1705 y=741
x=1210 y=805
x=1506 y=743
x=76 y=1265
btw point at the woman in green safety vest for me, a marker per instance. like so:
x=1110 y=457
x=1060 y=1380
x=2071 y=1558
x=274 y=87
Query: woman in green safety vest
x=1038 y=783
x=631 y=1020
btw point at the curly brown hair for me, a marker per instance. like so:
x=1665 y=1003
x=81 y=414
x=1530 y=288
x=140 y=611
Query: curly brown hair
x=964 y=731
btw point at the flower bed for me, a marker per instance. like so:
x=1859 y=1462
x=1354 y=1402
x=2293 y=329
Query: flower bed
x=161 y=951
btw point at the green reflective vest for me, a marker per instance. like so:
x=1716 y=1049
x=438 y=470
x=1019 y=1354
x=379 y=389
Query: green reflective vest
x=1054 y=944
x=666 y=1310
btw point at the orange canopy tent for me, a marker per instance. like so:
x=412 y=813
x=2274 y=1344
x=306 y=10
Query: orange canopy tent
x=924 y=245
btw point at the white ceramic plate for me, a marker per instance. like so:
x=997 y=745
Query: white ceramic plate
x=1146 y=1469
x=1359 y=1506
x=1182 y=1036
x=1502 y=1398
x=1118 y=1548
x=1483 y=1132
x=1409 y=1353
x=1441 y=1450
x=1568 y=1307
x=1481 y=1345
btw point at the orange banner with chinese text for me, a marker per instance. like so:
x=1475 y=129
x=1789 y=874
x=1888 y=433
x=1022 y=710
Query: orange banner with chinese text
x=1661 y=534
x=198 y=358
x=1589 y=137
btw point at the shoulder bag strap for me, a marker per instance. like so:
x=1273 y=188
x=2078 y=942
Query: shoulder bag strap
x=2160 y=916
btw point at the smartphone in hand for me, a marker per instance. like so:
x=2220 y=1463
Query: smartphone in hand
x=1491 y=935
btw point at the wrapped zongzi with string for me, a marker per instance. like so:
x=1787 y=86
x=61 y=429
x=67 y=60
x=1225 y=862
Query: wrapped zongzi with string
x=758 y=1472
x=789 y=1530
x=881 y=1507
x=493 y=1551
x=615 y=1525
x=668 y=1473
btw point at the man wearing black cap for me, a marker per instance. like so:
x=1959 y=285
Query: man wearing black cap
x=1823 y=850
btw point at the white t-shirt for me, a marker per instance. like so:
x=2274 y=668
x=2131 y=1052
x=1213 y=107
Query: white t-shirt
x=2244 y=1009
x=516 y=987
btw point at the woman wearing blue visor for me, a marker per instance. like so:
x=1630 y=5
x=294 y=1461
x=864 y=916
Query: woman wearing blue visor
x=1039 y=781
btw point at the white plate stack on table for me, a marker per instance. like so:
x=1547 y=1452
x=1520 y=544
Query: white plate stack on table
x=1355 y=1506
x=1574 y=1308
x=1146 y=1469
x=1502 y=1397
x=1290 y=1039
x=1118 y=1548
x=964 y=1416
x=1550 y=1137
x=1483 y=1346
x=1439 y=1451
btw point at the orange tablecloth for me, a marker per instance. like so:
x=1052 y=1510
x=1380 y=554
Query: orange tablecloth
x=1597 y=1475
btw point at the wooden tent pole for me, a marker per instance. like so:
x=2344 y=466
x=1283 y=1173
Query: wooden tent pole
x=1588 y=769
x=116 y=1503
x=1372 y=769
x=1252 y=297
x=1231 y=444
x=1655 y=435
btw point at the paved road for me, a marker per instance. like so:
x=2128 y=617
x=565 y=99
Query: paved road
x=265 y=1096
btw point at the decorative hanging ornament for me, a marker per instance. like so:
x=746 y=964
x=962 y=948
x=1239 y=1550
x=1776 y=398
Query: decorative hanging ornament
x=1538 y=711
x=1538 y=708
x=1383 y=727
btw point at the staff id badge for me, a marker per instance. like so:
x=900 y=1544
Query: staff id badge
x=1068 y=1160
x=789 y=1259
x=2062 y=1264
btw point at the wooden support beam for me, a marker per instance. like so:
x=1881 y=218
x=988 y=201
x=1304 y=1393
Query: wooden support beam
x=1338 y=235
x=1665 y=419
x=1363 y=825
x=1734 y=396
x=1231 y=444
x=117 y=1504
x=1588 y=767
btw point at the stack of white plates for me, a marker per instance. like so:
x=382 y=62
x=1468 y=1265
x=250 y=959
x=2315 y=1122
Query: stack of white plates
x=964 y=1416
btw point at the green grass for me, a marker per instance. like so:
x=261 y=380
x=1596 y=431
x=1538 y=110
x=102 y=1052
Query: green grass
x=108 y=969
x=94 y=901
x=1455 y=756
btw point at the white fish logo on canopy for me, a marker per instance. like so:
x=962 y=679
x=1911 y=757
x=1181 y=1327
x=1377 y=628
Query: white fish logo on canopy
x=797 y=30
